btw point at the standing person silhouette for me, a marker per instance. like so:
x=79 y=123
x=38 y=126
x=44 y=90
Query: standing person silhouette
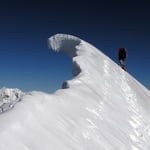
x=122 y=53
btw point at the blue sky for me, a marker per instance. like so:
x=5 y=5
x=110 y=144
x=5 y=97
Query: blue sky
x=28 y=64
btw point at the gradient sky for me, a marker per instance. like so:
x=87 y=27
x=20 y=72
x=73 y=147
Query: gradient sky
x=28 y=64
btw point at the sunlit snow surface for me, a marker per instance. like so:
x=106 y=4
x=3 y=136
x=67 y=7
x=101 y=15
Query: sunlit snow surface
x=101 y=108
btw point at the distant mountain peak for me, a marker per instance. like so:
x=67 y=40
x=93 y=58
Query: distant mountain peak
x=9 y=97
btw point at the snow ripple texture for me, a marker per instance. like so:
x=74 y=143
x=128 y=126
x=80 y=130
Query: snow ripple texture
x=101 y=108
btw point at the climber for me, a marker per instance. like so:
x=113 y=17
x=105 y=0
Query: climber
x=122 y=53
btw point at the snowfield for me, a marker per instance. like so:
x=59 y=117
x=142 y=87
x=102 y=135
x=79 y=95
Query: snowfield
x=101 y=108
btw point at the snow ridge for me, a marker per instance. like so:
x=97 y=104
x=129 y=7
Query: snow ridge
x=101 y=108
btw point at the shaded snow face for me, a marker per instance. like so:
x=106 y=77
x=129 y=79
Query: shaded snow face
x=101 y=108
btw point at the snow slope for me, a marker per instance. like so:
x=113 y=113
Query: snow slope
x=101 y=108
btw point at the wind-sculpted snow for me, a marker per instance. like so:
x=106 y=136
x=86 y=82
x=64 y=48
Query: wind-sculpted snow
x=65 y=43
x=101 y=108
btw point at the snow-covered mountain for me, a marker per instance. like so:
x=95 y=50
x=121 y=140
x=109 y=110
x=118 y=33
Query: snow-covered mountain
x=9 y=97
x=101 y=108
